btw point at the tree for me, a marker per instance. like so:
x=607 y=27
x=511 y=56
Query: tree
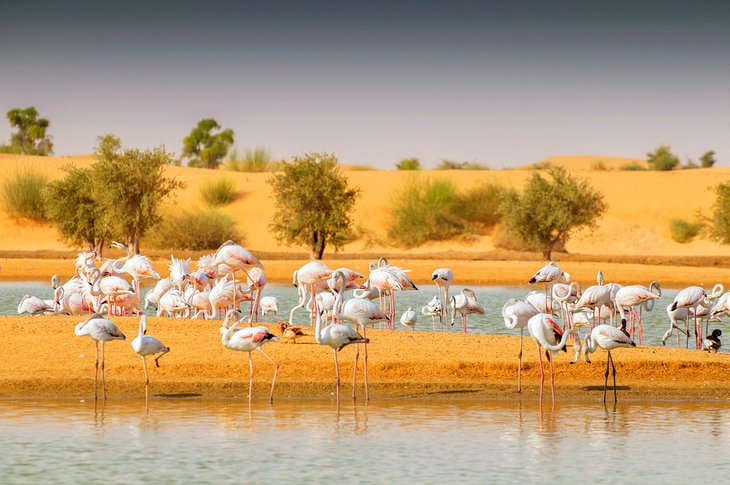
x=205 y=149
x=71 y=205
x=549 y=211
x=31 y=138
x=662 y=159
x=107 y=145
x=130 y=186
x=707 y=160
x=409 y=164
x=313 y=203
x=718 y=224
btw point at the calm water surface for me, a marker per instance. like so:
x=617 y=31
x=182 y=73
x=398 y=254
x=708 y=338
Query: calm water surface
x=492 y=297
x=224 y=441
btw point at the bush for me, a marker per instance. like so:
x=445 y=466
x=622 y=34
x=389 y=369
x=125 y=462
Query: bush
x=633 y=167
x=684 y=231
x=599 y=166
x=707 y=159
x=446 y=164
x=718 y=223
x=662 y=159
x=197 y=229
x=409 y=164
x=423 y=211
x=256 y=160
x=22 y=194
x=480 y=206
x=220 y=191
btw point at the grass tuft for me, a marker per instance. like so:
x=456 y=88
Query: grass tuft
x=22 y=194
x=218 y=192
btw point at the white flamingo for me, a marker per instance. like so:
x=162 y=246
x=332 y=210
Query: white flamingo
x=608 y=338
x=237 y=257
x=548 y=335
x=305 y=279
x=693 y=297
x=442 y=278
x=549 y=274
x=675 y=316
x=101 y=330
x=409 y=318
x=433 y=309
x=269 y=304
x=35 y=306
x=516 y=314
x=247 y=340
x=465 y=303
x=632 y=296
x=146 y=345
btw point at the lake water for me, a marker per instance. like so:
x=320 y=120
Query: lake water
x=197 y=440
x=492 y=297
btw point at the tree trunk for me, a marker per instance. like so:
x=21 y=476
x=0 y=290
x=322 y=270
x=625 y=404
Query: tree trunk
x=133 y=242
x=316 y=250
x=548 y=251
x=99 y=248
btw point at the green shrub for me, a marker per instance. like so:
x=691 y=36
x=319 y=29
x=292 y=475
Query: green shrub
x=220 y=191
x=480 y=206
x=662 y=159
x=633 y=167
x=447 y=164
x=422 y=211
x=359 y=168
x=22 y=194
x=684 y=231
x=256 y=160
x=196 y=229
x=409 y=164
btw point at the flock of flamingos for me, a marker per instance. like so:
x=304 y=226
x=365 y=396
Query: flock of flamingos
x=212 y=291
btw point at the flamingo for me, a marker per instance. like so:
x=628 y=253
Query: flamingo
x=565 y=295
x=389 y=278
x=547 y=334
x=152 y=298
x=541 y=302
x=179 y=270
x=84 y=263
x=594 y=297
x=269 y=304
x=608 y=338
x=35 y=306
x=676 y=315
x=146 y=345
x=256 y=279
x=433 y=309
x=409 y=318
x=173 y=303
x=636 y=295
x=200 y=301
x=442 y=278
x=465 y=303
x=516 y=314
x=307 y=277
x=136 y=266
x=247 y=340
x=549 y=274
x=694 y=297
x=712 y=342
x=101 y=330
x=337 y=336
x=237 y=257
x=360 y=312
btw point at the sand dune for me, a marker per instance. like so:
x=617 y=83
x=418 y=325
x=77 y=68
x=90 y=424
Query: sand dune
x=640 y=206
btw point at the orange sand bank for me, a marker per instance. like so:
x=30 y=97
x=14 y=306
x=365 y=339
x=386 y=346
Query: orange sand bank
x=43 y=358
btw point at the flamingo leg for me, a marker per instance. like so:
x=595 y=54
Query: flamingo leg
x=354 y=372
x=96 y=367
x=250 y=376
x=365 y=365
x=103 y=381
x=641 y=329
x=613 y=367
x=276 y=371
x=519 y=363
x=146 y=377
x=463 y=322
x=542 y=374
x=337 y=377
x=552 y=378
x=605 y=382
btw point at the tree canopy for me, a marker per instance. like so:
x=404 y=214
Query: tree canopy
x=206 y=149
x=662 y=159
x=409 y=164
x=130 y=186
x=718 y=224
x=548 y=211
x=707 y=159
x=30 y=137
x=313 y=203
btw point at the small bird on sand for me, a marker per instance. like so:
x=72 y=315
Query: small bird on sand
x=290 y=332
x=712 y=343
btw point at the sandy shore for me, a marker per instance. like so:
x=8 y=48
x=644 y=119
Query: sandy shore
x=467 y=272
x=43 y=358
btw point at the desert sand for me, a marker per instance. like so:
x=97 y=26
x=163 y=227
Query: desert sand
x=43 y=358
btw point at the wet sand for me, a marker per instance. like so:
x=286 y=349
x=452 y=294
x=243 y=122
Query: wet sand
x=42 y=358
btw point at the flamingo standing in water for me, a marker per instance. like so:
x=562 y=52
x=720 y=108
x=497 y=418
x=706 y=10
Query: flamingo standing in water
x=433 y=309
x=442 y=278
x=693 y=297
x=633 y=296
x=549 y=274
x=269 y=304
x=677 y=315
x=594 y=297
x=146 y=345
x=101 y=330
x=358 y=311
x=305 y=278
x=516 y=314
x=548 y=335
x=409 y=318
x=608 y=338
x=337 y=336
x=247 y=340
x=466 y=304
x=236 y=257
x=388 y=279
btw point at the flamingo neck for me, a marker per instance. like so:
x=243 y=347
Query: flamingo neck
x=227 y=336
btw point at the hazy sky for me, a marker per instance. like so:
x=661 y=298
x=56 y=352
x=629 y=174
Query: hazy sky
x=502 y=83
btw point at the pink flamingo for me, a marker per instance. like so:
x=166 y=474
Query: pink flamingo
x=608 y=338
x=101 y=330
x=548 y=335
x=549 y=274
x=465 y=303
x=305 y=278
x=238 y=258
x=442 y=278
x=694 y=297
x=516 y=314
x=632 y=296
